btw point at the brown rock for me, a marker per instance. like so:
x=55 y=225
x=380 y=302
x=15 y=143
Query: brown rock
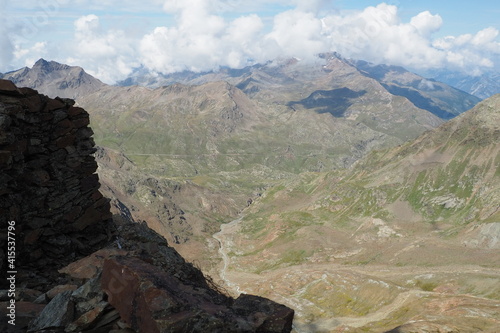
x=84 y=133
x=33 y=103
x=87 y=319
x=65 y=141
x=26 y=294
x=39 y=222
x=81 y=122
x=123 y=285
x=20 y=146
x=8 y=87
x=88 y=267
x=28 y=91
x=108 y=318
x=35 y=255
x=74 y=110
x=59 y=289
x=63 y=127
x=150 y=300
x=96 y=196
x=73 y=162
x=88 y=167
x=45 y=117
x=25 y=313
x=53 y=104
x=91 y=216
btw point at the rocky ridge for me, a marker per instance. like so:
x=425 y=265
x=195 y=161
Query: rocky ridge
x=79 y=269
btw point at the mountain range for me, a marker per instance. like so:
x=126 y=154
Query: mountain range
x=482 y=86
x=420 y=220
x=234 y=134
x=343 y=189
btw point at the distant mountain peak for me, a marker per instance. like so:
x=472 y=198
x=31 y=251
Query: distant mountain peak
x=41 y=63
x=55 y=79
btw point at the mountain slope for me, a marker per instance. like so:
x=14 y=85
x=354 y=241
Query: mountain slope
x=409 y=219
x=482 y=86
x=436 y=97
x=55 y=79
x=215 y=127
x=290 y=78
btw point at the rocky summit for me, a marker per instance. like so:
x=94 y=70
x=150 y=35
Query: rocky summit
x=55 y=79
x=76 y=268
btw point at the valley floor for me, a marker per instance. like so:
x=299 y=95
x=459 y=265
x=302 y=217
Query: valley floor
x=339 y=297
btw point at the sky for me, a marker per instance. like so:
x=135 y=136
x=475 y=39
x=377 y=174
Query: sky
x=111 y=38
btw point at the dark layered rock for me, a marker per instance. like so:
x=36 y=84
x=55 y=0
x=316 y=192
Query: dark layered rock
x=48 y=183
x=58 y=313
x=79 y=269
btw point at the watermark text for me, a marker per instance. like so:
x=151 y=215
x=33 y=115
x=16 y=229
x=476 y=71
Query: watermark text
x=11 y=272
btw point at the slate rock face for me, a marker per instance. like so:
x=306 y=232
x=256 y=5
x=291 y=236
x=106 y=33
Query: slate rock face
x=48 y=184
x=58 y=313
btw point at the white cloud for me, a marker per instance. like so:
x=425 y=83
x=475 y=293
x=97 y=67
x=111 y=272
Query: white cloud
x=7 y=47
x=109 y=55
x=298 y=34
x=87 y=25
x=378 y=35
x=201 y=40
x=31 y=54
x=471 y=53
x=202 y=35
x=426 y=23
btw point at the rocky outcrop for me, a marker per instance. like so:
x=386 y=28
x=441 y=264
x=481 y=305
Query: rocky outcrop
x=154 y=301
x=79 y=269
x=48 y=184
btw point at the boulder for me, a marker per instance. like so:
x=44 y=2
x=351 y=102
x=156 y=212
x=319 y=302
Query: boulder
x=151 y=300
